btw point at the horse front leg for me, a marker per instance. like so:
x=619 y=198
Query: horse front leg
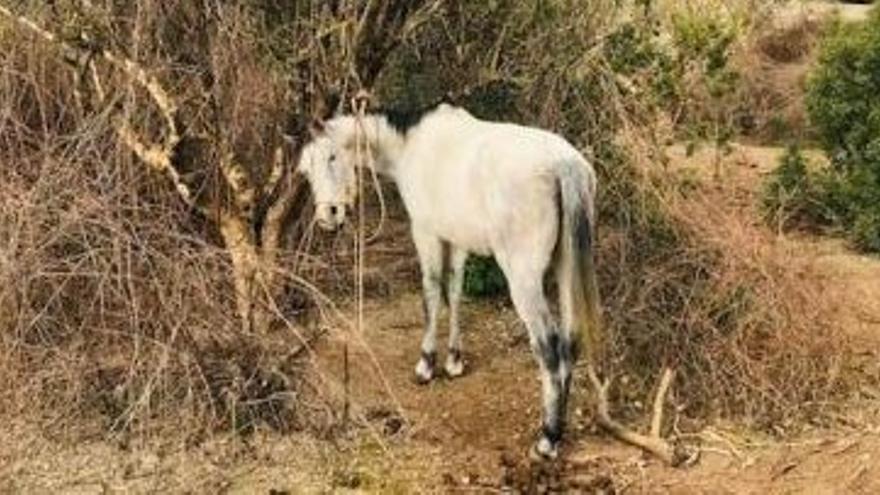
x=430 y=250
x=454 y=363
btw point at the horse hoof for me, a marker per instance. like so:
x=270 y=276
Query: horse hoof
x=454 y=367
x=421 y=380
x=424 y=372
x=544 y=450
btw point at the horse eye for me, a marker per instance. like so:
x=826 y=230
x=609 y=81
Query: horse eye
x=332 y=158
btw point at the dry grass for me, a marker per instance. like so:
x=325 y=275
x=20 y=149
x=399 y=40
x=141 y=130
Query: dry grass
x=774 y=61
x=115 y=298
x=122 y=309
x=691 y=279
x=770 y=348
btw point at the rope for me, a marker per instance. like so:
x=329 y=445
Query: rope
x=361 y=102
x=359 y=238
x=360 y=106
x=363 y=159
x=381 y=197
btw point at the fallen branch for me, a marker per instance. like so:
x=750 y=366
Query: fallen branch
x=660 y=400
x=652 y=443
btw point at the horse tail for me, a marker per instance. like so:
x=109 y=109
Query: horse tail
x=575 y=267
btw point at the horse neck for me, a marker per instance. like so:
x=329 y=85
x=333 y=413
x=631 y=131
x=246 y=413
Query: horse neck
x=384 y=141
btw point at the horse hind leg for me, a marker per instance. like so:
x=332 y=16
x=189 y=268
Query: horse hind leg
x=430 y=250
x=454 y=366
x=556 y=359
x=552 y=350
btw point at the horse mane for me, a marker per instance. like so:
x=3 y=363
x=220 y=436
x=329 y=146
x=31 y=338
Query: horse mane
x=403 y=119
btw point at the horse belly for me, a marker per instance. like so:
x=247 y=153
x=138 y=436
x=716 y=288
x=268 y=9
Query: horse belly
x=452 y=215
x=471 y=238
x=463 y=227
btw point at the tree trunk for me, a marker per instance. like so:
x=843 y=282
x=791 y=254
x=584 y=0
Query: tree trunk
x=246 y=273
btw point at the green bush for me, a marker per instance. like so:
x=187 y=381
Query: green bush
x=843 y=106
x=842 y=94
x=708 y=110
x=795 y=195
x=788 y=190
x=483 y=278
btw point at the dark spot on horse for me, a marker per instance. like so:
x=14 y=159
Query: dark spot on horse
x=553 y=431
x=437 y=280
x=455 y=354
x=568 y=349
x=583 y=231
x=430 y=359
x=550 y=352
x=574 y=351
x=554 y=422
x=566 y=387
x=446 y=273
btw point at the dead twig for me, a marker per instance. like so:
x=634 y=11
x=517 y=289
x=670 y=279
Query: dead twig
x=652 y=443
x=659 y=400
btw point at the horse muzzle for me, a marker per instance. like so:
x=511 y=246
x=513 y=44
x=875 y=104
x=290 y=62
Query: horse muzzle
x=331 y=217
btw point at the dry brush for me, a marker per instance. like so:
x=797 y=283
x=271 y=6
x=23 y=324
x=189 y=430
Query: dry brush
x=150 y=206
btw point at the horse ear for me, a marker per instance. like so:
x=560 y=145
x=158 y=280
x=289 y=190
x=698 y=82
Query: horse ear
x=317 y=128
x=331 y=104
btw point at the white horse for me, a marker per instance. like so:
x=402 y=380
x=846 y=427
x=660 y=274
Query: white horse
x=521 y=194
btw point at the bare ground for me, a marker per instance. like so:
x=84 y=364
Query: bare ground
x=846 y=11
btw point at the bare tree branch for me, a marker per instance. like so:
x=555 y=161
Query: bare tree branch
x=157 y=157
x=379 y=31
x=244 y=193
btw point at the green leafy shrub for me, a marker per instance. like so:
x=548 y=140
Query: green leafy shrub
x=707 y=107
x=483 y=278
x=843 y=105
x=866 y=231
x=842 y=95
x=796 y=195
x=787 y=192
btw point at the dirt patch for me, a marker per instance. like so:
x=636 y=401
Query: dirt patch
x=847 y=11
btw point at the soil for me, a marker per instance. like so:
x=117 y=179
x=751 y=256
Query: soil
x=846 y=11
